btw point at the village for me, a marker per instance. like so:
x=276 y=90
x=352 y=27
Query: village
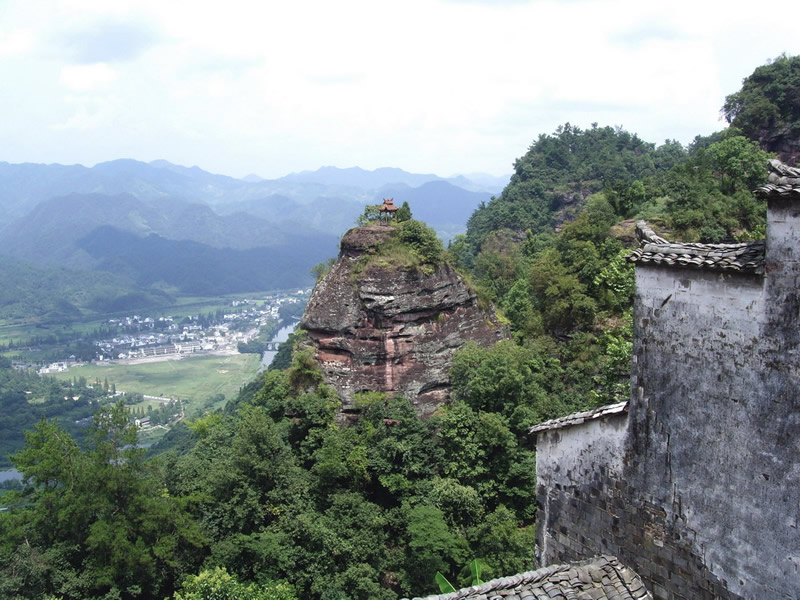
x=140 y=338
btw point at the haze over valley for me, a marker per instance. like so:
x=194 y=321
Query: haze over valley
x=159 y=229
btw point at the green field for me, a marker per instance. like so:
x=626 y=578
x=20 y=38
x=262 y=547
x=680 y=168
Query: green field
x=191 y=380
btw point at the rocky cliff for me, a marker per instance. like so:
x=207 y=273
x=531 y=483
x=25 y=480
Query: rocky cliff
x=379 y=326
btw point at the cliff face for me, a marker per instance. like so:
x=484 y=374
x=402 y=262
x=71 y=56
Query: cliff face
x=379 y=327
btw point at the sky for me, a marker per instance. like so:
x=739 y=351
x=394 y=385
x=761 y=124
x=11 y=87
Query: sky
x=430 y=86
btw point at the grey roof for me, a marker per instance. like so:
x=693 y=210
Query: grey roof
x=746 y=257
x=784 y=181
x=581 y=417
x=603 y=577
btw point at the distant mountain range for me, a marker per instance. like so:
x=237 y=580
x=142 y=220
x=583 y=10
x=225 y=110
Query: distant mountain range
x=358 y=177
x=190 y=231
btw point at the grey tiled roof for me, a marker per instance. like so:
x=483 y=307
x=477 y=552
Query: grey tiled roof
x=601 y=578
x=784 y=181
x=746 y=257
x=581 y=417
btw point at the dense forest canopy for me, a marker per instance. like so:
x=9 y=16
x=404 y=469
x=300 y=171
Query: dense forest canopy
x=559 y=171
x=26 y=397
x=767 y=108
x=58 y=294
x=270 y=498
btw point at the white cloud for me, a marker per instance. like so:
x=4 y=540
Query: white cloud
x=87 y=77
x=15 y=43
x=426 y=85
x=106 y=40
x=89 y=113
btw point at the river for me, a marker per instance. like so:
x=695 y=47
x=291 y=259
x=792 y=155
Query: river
x=281 y=336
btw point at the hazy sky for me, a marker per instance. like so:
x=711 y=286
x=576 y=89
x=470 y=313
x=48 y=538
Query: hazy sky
x=426 y=85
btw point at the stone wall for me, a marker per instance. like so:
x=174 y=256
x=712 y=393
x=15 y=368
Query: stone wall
x=702 y=498
x=587 y=507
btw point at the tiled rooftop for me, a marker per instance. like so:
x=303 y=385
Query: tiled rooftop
x=783 y=181
x=602 y=578
x=581 y=417
x=746 y=257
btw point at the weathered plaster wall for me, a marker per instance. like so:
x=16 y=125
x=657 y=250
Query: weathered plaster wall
x=573 y=495
x=694 y=407
x=707 y=502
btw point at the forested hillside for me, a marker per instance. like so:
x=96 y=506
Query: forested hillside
x=767 y=108
x=60 y=295
x=291 y=505
x=26 y=397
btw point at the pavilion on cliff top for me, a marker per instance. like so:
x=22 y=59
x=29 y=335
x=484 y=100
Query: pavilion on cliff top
x=387 y=209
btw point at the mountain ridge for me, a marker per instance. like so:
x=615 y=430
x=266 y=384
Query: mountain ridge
x=46 y=210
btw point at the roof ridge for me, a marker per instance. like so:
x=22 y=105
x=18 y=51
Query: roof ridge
x=783 y=181
x=581 y=417
x=746 y=257
x=780 y=169
x=645 y=234
x=628 y=578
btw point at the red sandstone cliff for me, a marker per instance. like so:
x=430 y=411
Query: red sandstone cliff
x=379 y=327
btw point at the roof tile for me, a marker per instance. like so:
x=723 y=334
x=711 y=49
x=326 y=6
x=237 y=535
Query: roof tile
x=581 y=417
x=746 y=257
x=603 y=577
x=783 y=181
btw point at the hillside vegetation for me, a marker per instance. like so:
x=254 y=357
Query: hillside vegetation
x=271 y=496
x=767 y=108
x=62 y=295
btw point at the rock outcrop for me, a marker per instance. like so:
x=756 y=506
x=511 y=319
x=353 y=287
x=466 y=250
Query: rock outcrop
x=379 y=327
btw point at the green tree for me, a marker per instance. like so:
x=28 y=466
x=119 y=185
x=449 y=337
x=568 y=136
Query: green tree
x=432 y=547
x=766 y=109
x=97 y=520
x=499 y=263
x=559 y=171
x=559 y=295
x=423 y=242
x=502 y=543
x=525 y=320
x=504 y=378
x=370 y=215
x=711 y=198
x=340 y=461
x=403 y=213
x=738 y=163
x=615 y=283
x=479 y=450
x=401 y=450
x=321 y=269
x=218 y=584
